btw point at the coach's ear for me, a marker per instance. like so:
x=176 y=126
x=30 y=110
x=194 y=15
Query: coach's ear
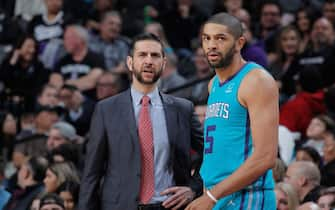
x=240 y=42
x=130 y=63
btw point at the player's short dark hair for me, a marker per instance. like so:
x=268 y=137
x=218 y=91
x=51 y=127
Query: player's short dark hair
x=145 y=37
x=233 y=24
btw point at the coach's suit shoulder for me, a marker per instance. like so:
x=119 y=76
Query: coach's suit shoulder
x=173 y=99
x=122 y=97
x=180 y=103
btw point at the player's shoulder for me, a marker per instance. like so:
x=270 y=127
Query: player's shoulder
x=259 y=77
x=258 y=83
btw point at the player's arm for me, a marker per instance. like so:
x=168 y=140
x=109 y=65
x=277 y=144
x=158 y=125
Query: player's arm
x=259 y=93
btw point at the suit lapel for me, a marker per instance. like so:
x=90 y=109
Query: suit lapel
x=171 y=116
x=128 y=115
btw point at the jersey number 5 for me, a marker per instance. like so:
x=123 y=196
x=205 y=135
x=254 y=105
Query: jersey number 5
x=209 y=139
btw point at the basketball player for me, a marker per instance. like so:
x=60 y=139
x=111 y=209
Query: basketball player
x=241 y=124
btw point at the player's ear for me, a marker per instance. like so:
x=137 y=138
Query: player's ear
x=240 y=43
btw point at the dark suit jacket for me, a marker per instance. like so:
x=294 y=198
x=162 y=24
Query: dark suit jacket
x=111 y=178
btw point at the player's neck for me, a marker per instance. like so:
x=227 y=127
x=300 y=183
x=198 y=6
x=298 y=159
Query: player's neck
x=233 y=68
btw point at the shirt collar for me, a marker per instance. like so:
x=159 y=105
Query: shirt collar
x=137 y=96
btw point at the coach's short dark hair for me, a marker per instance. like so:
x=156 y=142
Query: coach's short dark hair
x=232 y=23
x=144 y=37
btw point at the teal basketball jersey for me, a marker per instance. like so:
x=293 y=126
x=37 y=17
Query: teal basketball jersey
x=228 y=140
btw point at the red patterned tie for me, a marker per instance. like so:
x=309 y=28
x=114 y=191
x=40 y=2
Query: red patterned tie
x=147 y=152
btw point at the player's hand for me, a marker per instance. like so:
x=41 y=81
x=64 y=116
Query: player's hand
x=201 y=203
x=180 y=196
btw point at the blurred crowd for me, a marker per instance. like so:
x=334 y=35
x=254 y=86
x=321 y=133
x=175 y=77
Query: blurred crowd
x=58 y=58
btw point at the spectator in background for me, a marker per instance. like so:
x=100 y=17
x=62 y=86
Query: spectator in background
x=326 y=200
x=95 y=12
x=328 y=10
x=251 y=51
x=61 y=133
x=305 y=178
x=10 y=31
x=49 y=25
x=308 y=206
x=171 y=79
x=30 y=181
x=111 y=83
x=109 y=42
x=185 y=16
x=286 y=196
x=45 y=117
x=244 y=16
x=319 y=54
x=297 y=113
x=35 y=205
x=48 y=96
x=322 y=36
x=27 y=9
x=8 y=131
x=202 y=72
x=22 y=73
x=328 y=171
x=316 y=131
x=69 y=192
x=79 y=108
x=51 y=202
x=201 y=76
x=279 y=170
x=330 y=102
x=67 y=152
x=157 y=29
x=308 y=154
x=269 y=25
x=57 y=174
x=136 y=14
x=286 y=51
x=229 y=6
x=304 y=20
x=3 y=181
x=80 y=67
x=30 y=146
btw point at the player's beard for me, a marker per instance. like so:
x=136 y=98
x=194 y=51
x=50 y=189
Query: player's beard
x=138 y=75
x=225 y=60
